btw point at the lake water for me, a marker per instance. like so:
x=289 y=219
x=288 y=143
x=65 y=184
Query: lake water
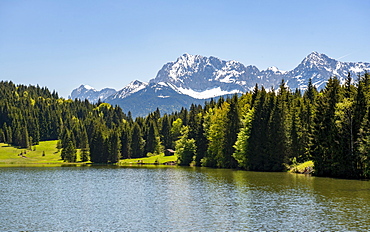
x=177 y=199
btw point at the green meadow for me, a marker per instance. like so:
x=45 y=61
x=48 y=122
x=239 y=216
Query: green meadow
x=155 y=159
x=46 y=153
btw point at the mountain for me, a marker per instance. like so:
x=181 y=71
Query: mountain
x=155 y=95
x=195 y=79
x=194 y=75
x=320 y=67
x=87 y=92
x=131 y=88
x=201 y=74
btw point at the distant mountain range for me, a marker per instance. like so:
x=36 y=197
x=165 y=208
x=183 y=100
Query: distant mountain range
x=196 y=79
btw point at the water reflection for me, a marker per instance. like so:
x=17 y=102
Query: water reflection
x=171 y=198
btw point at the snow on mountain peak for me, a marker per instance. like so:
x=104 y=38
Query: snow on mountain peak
x=317 y=60
x=88 y=87
x=87 y=92
x=273 y=68
x=315 y=57
x=129 y=89
x=204 y=77
x=209 y=93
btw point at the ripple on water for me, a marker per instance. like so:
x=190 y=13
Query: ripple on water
x=174 y=198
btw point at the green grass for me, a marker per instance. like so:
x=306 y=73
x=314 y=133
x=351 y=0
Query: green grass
x=300 y=168
x=160 y=159
x=11 y=155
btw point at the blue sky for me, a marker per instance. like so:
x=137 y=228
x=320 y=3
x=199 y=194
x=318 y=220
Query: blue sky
x=63 y=44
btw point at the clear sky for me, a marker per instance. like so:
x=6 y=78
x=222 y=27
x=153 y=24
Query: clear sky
x=63 y=44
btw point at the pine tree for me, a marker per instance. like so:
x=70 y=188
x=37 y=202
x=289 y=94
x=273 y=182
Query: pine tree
x=97 y=147
x=138 y=143
x=232 y=127
x=8 y=134
x=363 y=147
x=69 y=152
x=257 y=142
x=84 y=146
x=241 y=145
x=152 y=144
x=25 y=139
x=166 y=132
x=201 y=142
x=2 y=136
x=126 y=141
x=276 y=150
x=325 y=135
x=114 y=147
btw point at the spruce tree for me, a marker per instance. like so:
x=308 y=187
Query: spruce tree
x=69 y=152
x=201 y=141
x=138 y=143
x=126 y=141
x=325 y=135
x=166 y=132
x=257 y=142
x=97 y=148
x=114 y=147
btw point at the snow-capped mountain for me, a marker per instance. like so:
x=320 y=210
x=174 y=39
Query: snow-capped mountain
x=195 y=79
x=155 y=95
x=320 y=67
x=87 y=92
x=131 y=88
x=199 y=76
x=194 y=75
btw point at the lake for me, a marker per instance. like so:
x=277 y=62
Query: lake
x=177 y=199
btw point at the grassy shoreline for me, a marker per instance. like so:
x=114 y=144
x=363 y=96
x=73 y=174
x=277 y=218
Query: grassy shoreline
x=47 y=155
x=302 y=168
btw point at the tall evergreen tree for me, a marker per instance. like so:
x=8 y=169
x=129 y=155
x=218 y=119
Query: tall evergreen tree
x=126 y=140
x=257 y=142
x=201 y=142
x=114 y=147
x=166 y=132
x=325 y=134
x=97 y=148
x=138 y=143
x=241 y=145
x=152 y=143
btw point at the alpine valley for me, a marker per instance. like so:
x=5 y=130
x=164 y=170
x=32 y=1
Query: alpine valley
x=194 y=79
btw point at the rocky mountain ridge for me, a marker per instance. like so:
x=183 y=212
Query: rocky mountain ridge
x=195 y=78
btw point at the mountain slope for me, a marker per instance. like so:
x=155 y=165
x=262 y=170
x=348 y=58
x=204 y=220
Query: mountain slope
x=194 y=79
x=131 y=88
x=87 y=92
x=200 y=73
x=161 y=96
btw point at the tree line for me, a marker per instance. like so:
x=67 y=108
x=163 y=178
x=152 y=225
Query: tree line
x=261 y=130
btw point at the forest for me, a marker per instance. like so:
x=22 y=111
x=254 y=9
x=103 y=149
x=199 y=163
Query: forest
x=261 y=130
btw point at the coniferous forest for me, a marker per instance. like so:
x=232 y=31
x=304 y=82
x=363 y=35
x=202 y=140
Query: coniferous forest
x=262 y=130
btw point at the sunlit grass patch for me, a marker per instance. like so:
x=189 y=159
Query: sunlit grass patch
x=155 y=159
x=306 y=167
x=45 y=152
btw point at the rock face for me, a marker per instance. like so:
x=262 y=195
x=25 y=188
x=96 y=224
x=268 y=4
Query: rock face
x=87 y=92
x=195 y=79
x=200 y=73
